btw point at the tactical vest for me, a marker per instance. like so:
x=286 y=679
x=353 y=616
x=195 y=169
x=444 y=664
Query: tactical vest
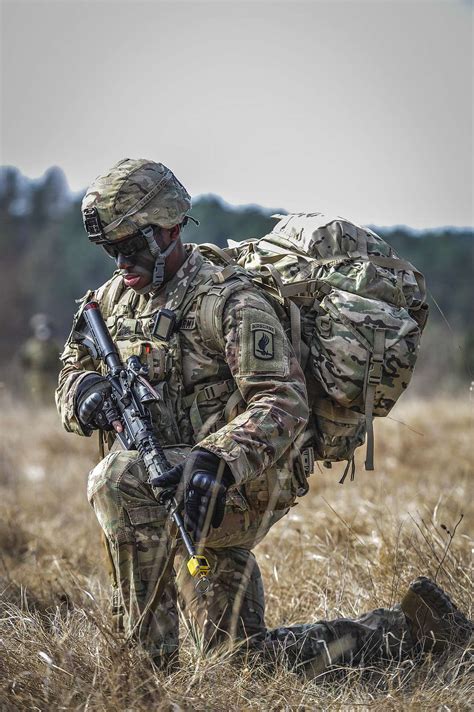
x=186 y=419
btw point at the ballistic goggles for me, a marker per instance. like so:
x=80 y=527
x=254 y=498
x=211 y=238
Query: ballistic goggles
x=127 y=247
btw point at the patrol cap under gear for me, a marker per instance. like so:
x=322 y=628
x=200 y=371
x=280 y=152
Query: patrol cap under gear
x=134 y=193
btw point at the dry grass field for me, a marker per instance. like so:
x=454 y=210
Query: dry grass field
x=343 y=550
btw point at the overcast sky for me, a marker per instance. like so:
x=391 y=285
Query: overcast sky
x=361 y=108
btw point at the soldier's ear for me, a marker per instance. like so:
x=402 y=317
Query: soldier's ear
x=175 y=232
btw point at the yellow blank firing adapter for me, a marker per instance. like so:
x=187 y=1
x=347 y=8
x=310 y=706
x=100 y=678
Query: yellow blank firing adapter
x=198 y=566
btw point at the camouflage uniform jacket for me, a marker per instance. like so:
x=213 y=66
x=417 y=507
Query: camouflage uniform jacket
x=197 y=378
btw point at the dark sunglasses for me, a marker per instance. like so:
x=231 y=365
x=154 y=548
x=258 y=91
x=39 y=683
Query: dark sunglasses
x=127 y=247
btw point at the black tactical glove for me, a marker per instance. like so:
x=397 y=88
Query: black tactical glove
x=93 y=404
x=204 y=490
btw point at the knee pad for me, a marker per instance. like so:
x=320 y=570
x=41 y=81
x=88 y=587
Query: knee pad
x=108 y=473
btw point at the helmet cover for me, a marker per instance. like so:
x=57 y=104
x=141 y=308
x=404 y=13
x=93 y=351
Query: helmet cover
x=136 y=193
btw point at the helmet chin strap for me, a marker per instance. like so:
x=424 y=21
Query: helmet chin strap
x=159 y=255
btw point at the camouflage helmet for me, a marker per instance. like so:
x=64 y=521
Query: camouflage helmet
x=134 y=193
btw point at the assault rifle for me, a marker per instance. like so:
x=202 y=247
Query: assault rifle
x=132 y=395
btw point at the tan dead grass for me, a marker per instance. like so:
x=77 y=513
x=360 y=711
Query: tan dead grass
x=341 y=551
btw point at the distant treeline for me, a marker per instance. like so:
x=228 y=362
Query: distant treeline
x=47 y=263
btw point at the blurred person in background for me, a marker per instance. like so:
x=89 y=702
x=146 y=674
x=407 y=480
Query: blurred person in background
x=232 y=403
x=39 y=361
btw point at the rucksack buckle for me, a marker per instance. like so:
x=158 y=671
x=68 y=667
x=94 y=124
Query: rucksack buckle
x=374 y=375
x=215 y=390
x=208 y=393
x=308 y=460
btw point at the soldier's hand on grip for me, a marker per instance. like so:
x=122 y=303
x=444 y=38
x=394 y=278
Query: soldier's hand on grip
x=204 y=490
x=94 y=405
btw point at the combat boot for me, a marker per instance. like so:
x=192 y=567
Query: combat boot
x=433 y=619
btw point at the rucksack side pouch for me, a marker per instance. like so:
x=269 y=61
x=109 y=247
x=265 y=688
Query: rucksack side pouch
x=360 y=342
x=336 y=431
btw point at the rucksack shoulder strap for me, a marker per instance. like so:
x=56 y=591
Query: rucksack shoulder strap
x=213 y=251
x=214 y=297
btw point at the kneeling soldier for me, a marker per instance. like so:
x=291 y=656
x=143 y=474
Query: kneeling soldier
x=232 y=402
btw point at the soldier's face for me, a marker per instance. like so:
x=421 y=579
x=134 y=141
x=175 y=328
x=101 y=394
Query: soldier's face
x=137 y=269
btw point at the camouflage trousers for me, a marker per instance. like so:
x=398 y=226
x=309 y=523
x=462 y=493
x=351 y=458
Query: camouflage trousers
x=140 y=542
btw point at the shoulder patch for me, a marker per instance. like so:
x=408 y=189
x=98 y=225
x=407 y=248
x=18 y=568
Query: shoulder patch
x=263 y=341
x=263 y=347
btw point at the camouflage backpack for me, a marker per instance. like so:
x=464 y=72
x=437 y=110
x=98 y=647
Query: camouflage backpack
x=354 y=313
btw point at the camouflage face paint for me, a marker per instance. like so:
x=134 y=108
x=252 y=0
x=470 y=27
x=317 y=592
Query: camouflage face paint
x=137 y=269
